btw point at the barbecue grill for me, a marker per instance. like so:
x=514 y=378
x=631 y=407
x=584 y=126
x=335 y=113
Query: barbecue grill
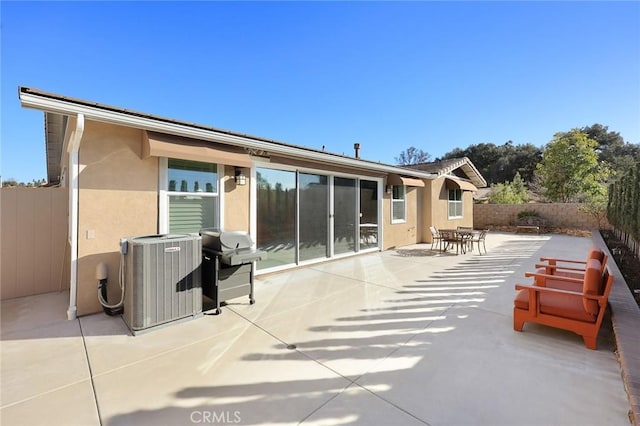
x=227 y=265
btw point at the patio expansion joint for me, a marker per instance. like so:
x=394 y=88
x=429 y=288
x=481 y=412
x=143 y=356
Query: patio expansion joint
x=93 y=385
x=371 y=393
x=161 y=353
x=68 y=385
x=399 y=346
x=286 y=344
x=47 y=392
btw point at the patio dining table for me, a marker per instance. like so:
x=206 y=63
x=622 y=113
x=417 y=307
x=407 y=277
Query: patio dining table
x=458 y=237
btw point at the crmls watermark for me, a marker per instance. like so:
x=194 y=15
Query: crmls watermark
x=215 y=417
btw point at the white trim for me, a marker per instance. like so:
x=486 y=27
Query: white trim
x=359 y=215
x=74 y=166
x=66 y=107
x=331 y=221
x=163 y=196
x=221 y=177
x=253 y=208
x=404 y=205
x=450 y=202
x=380 y=228
x=380 y=215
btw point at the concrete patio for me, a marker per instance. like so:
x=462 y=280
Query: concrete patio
x=402 y=337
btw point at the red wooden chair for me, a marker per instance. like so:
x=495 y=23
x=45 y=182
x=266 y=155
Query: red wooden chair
x=559 y=266
x=557 y=303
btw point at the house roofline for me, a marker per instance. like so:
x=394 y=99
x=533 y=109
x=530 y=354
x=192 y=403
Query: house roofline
x=452 y=164
x=53 y=103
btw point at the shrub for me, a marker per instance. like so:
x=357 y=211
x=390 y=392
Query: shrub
x=527 y=213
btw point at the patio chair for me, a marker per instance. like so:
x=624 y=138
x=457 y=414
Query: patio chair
x=477 y=238
x=449 y=238
x=436 y=238
x=555 y=266
x=579 y=311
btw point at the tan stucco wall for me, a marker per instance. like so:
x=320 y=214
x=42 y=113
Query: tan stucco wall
x=402 y=234
x=236 y=201
x=427 y=212
x=118 y=197
x=438 y=196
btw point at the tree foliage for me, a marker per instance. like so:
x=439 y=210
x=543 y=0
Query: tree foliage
x=514 y=192
x=570 y=170
x=35 y=183
x=612 y=148
x=412 y=155
x=501 y=163
x=623 y=208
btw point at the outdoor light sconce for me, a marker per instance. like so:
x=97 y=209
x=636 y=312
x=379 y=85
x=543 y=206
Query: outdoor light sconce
x=240 y=178
x=387 y=189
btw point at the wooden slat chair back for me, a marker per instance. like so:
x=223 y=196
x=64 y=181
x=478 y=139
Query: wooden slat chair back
x=559 y=266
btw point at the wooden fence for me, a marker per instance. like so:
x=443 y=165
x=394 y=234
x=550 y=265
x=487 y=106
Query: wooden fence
x=34 y=252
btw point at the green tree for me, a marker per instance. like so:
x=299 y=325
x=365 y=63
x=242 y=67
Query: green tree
x=500 y=163
x=412 y=155
x=570 y=170
x=612 y=148
x=514 y=192
x=35 y=183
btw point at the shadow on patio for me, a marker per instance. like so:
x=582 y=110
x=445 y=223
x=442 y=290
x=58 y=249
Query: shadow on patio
x=432 y=346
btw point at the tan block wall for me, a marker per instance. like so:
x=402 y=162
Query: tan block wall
x=34 y=249
x=236 y=201
x=567 y=215
x=118 y=197
x=402 y=234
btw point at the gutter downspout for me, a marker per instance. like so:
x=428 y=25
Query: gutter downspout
x=74 y=171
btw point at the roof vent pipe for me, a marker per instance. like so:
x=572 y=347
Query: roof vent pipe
x=356 y=147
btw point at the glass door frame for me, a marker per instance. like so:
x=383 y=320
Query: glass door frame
x=330 y=213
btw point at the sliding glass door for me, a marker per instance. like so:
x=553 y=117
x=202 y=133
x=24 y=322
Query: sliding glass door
x=344 y=217
x=276 y=209
x=307 y=216
x=313 y=216
x=368 y=214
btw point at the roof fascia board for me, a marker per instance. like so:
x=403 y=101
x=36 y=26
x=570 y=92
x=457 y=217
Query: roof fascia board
x=47 y=104
x=474 y=172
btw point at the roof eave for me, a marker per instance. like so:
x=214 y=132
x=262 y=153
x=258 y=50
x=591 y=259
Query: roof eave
x=65 y=106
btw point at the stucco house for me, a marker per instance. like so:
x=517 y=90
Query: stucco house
x=131 y=173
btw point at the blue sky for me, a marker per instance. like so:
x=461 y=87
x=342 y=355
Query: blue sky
x=388 y=75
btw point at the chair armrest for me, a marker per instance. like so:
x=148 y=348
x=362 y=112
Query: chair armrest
x=556 y=267
x=554 y=277
x=554 y=290
x=547 y=259
x=596 y=297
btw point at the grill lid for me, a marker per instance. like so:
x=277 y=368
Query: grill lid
x=224 y=241
x=242 y=256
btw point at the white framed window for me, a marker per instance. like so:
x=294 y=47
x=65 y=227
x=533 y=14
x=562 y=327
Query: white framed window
x=190 y=196
x=455 y=203
x=398 y=204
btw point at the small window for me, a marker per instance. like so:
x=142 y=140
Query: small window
x=398 y=205
x=455 y=203
x=193 y=196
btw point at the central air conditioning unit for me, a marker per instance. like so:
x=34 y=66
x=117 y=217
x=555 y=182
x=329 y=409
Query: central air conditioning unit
x=162 y=279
